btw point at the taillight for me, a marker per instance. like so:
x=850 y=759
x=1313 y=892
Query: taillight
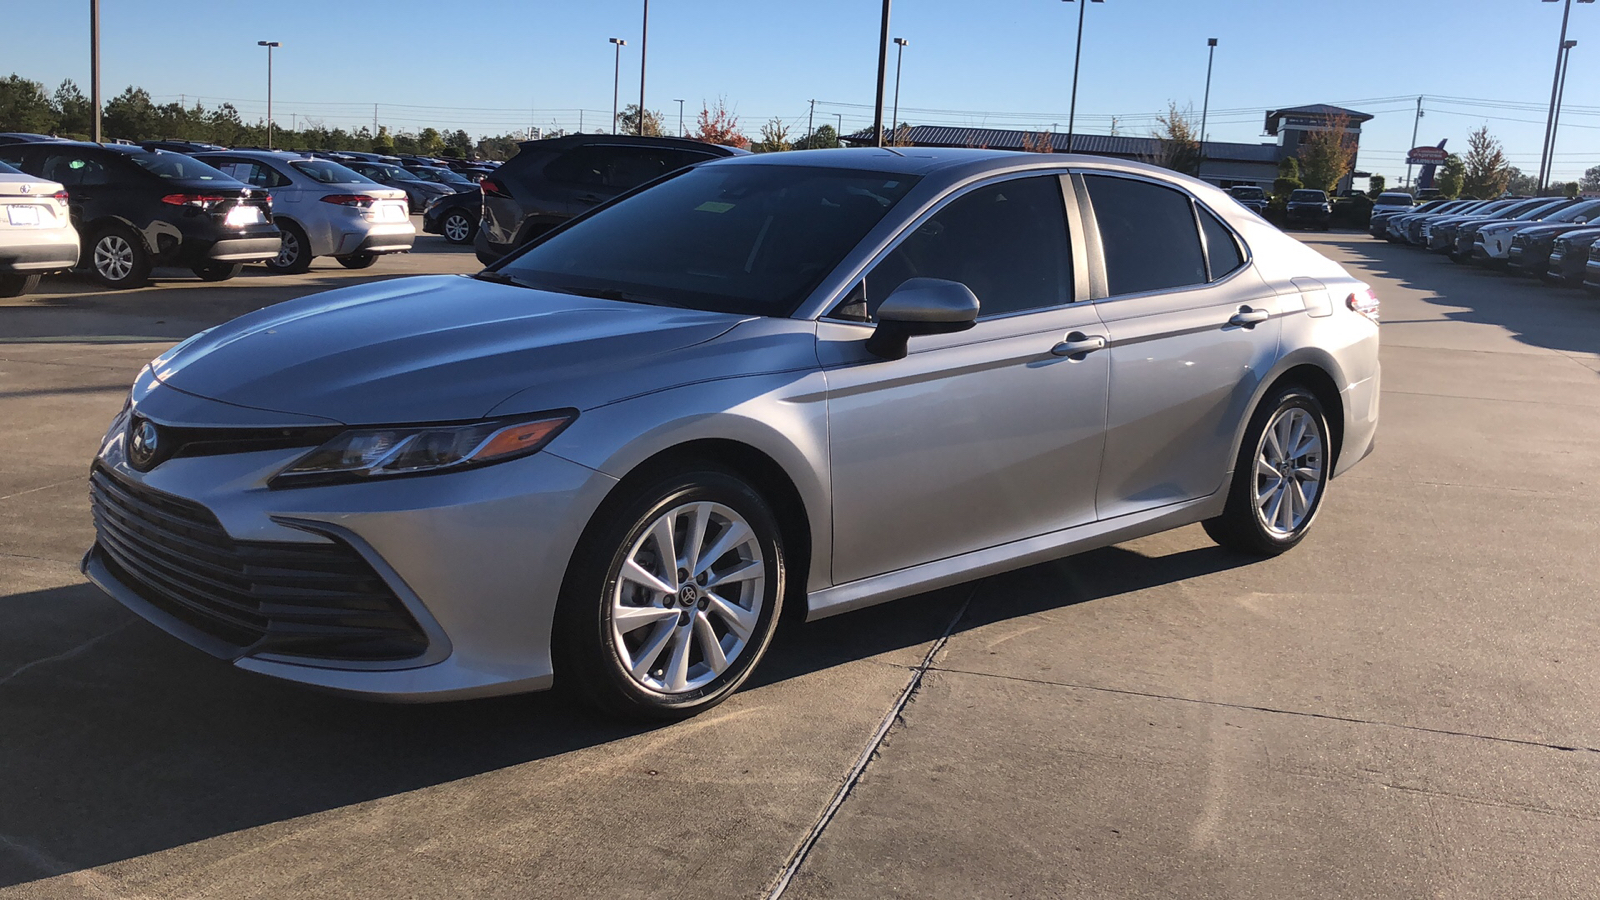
x=60 y=197
x=198 y=201
x=492 y=188
x=358 y=200
x=1365 y=303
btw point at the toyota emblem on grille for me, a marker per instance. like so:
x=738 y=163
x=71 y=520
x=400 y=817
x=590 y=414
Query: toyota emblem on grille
x=144 y=443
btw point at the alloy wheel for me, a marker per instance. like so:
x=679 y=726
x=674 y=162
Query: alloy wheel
x=113 y=257
x=687 y=598
x=289 y=250
x=456 y=228
x=1289 y=471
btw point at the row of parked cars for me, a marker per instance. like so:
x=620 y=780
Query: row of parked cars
x=118 y=210
x=1555 y=239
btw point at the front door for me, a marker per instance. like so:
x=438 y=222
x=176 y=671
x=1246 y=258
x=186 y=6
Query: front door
x=979 y=438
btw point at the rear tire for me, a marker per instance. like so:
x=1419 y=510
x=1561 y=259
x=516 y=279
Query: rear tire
x=1279 y=477
x=217 y=271
x=357 y=260
x=647 y=637
x=458 y=228
x=294 y=254
x=15 y=285
x=118 y=258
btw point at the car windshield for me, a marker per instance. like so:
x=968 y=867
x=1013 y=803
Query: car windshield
x=1308 y=197
x=1574 y=213
x=176 y=166
x=747 y=239
x=394 y=173
x=1393 y=200
x=329 y=172
x=1541 y=209
x=1248 y=193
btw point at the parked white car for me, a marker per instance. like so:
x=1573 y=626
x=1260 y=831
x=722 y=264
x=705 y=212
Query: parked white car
x=36 y=234
x=323 y=208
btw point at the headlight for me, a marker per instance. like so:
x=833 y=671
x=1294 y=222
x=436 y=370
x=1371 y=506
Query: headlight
x=363 y=453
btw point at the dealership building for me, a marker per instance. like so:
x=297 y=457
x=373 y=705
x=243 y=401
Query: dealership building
x=1226 y=163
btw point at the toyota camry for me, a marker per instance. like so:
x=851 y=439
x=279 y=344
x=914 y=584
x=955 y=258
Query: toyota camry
x=813 y=381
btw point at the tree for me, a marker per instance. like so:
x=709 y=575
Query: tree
x=461 y=142
x=76 y=113
x=1572 y=190
x=24 y=106
x=1327 y=154
x=1591 y=180
x=1452 y=173
x=1288 y=180
x=628 y=121
x=383 y=143
x=130 y=115
x=774 y=137
x=1375 y=186
x=1038 y=143
x=824 y=137
x=1177 y=143
x=429 y=141
x=1487 y=171
x=719 y=126
x=1519 y=183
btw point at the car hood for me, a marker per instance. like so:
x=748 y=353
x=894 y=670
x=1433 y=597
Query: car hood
x=1540 y=232
x=430 y=349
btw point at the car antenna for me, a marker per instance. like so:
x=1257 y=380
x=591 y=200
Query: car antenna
x=894 y=151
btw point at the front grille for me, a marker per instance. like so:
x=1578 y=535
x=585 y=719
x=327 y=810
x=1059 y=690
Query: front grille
x=295 y=599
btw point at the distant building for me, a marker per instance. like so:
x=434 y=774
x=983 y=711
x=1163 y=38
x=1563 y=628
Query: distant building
x=1226 y=163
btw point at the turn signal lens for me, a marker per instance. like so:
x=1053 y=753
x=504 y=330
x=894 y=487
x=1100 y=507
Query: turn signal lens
x=1365 y=303
x=365 y=453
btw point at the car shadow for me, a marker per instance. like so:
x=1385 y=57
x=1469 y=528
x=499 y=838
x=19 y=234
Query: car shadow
x=130 y=743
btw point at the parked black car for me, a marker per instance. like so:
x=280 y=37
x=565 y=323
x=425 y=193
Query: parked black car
x=1250 y=197
x=1311 y=208
x=1569 y=253
x=136 y=208
x=1378 y=224
x=418 y=191
x=439 y=175
x=455 y=216
x=24 y=137
x=550 y=181
x=1530 y=247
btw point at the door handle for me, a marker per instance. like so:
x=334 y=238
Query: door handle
x=1249 y=318
x=1077 y=344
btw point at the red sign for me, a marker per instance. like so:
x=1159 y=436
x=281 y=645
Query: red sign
x=1426 y=155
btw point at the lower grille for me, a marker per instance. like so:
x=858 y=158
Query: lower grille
x=294 y=599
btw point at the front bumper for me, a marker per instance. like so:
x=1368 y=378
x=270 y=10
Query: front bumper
x=45 y=251
x=477 y=557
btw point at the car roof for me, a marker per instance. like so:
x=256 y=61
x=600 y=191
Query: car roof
x=949 y=161
x=278 y=155
x=583 y=140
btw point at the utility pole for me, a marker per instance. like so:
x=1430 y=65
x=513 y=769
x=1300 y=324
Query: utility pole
x=94 y=64
x=900 y=55
x=374 y=121
x=1211 y=54
x=1414 y=123
x=681 y=132
x=644 y=48
x=1077 y=55
x=270 y=45
x=811 y=117
x=1561 y=93
x=883 y=71
x=839 y=131
x=616 y=81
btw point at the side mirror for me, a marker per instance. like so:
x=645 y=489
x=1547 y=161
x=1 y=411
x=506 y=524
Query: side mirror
x=921 y=306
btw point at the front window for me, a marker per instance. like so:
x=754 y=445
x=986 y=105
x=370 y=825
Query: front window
x=747 y=239
x=329 y=172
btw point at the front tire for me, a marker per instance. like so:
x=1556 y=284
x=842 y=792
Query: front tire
x=118 y=258
x=1279 y=478
x=357 y=260
x=15 y=285
x=458 y=228
x=672 y=597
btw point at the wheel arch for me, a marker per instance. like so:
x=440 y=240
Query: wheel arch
x=1321 y=375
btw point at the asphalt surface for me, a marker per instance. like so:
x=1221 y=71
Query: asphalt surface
x=1401 y=707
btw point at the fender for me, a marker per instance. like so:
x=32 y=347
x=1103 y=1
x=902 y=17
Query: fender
x=1312 y=356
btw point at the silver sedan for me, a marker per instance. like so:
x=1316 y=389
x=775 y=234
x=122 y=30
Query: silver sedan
x=814 y=380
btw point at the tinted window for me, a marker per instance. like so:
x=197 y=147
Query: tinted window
x=176 y=166
x=1222 y=251
x=1585 y=210
x=1393 y=200
x=329 y=172
x=742 y=239
x=1248 y=193
x=1308 y=197
x=1147 y=233
x=617 y=168
x=74 y=169
x=1007 y=242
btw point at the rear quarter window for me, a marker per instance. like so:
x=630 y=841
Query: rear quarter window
x=1147 y=235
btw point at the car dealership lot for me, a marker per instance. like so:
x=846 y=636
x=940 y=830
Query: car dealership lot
x=1401 y=706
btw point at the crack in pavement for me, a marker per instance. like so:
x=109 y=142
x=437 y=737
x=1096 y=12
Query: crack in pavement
x=802 y=850
x=1274 y=710
x=64 y=655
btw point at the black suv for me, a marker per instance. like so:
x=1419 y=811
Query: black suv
x=551 y=181
x=1309 y=207
x=1250 y=197
x=136 y=208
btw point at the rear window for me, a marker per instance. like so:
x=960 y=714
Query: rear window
x=618 y=167
x=329 y=172
x=1303 y=196
x=1248 y=193
x=1393 y=200
x=176 y=166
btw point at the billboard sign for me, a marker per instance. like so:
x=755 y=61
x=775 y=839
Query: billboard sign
x=1426 y=155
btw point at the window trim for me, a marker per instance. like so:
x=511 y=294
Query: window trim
x=1098 y=262
x=1080 y=288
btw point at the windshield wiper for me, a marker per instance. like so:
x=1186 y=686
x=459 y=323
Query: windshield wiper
x=613 y=294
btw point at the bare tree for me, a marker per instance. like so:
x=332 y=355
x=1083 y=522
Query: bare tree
x=1038 y=143
x=1177 y=143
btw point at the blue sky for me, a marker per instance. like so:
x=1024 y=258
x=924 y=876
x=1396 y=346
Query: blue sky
x=492 y=66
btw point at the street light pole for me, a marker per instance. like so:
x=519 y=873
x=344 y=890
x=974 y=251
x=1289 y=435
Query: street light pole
x=94 y=64
x=616 y=81
x=644 y=48
x=270 y=45
x=838 y=132
x=1555 y=88
x=1414 y=123
x=1205 y=107
x=900 y=54
x=680 y=116
x=883 y=70
x=1561 y=93
x=1072 y=112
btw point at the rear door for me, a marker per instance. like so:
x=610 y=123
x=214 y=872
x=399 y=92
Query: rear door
x=1192 y=329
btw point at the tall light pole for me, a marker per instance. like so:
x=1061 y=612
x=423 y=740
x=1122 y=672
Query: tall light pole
x=270 y=45
x=1072 y=113
x=1205 y=106
x=1561 y=93
x=883 y=70
x=900 y=54
x=616 y=81
x=644 y=48
x=1414 y=124
x=94 y=64
x=681 y=132
x=1555 y=87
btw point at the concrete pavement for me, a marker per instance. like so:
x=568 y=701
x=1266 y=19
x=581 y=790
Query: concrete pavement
x=1400 y=707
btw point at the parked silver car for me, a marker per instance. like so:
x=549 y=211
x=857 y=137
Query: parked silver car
x=323 y=208
x=826 y=380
